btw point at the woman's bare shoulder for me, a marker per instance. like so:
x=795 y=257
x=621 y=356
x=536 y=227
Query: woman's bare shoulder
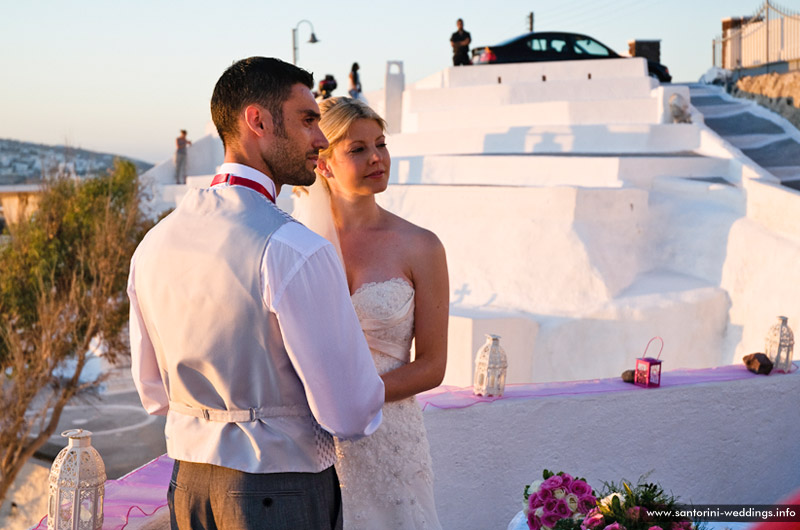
x=417 y=239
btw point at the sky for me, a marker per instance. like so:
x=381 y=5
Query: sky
x=124 y=76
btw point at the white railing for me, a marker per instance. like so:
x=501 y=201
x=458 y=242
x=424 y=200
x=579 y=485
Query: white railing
x=770 y=35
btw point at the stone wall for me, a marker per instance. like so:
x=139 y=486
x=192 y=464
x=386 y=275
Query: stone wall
x=779 y=93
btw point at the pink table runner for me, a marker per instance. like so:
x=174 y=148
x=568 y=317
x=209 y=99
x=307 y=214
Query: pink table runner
x=450 y=397
x=142 y=492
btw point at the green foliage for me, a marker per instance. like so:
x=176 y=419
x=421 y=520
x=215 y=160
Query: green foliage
x=632 y=506
x=568 y=524
x=63 y=283
x=58 y=244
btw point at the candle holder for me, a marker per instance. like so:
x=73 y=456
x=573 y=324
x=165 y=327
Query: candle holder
x=491 y=364
x=77 y=485
x=779 y=345
x=648 y=369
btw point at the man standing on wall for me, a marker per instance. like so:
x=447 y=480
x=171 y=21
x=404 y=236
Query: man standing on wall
x=242 y=330
x=460 y=41
x=180 y=157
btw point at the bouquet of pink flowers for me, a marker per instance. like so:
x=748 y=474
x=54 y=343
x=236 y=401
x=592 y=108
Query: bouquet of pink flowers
x=557 y=496
x=644 y=506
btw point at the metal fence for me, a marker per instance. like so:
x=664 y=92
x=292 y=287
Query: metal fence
x=770 y=35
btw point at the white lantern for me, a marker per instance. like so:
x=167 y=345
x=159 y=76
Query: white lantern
x=77 y=485
x=779 y=345
x=490 y=368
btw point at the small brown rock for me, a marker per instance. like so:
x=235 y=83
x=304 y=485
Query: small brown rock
x=758 y=363
x=627 y=376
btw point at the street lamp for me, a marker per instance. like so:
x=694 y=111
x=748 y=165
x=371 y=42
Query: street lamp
x=312 y=40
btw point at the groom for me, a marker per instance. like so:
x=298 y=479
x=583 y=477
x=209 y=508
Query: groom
x=242 y=330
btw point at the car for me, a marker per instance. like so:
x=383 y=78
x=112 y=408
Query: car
x=555 y=46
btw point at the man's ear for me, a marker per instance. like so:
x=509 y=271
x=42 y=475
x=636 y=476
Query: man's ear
x=258 y=119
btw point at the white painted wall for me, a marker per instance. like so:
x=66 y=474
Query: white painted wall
x=715 y=443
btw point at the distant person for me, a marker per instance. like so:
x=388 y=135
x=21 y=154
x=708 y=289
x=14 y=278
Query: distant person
x=326 y=87
x=460 y=41
x=180 y=157
x=355 y=82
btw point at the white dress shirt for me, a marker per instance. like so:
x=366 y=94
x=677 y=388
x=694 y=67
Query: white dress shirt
x=304 y=285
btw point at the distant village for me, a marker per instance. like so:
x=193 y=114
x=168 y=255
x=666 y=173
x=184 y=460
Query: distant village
x=27 y=163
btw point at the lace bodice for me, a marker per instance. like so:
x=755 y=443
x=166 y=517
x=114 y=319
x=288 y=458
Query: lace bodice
x=386 y=477
x=386 y=312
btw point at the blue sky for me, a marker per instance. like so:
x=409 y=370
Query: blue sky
x=124 y=76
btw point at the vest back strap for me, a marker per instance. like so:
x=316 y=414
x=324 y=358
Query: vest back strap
x=240 y=416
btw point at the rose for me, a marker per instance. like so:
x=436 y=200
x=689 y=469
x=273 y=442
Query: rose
x=580 y=488
x=637 y=513
x=550 y=519
x=573 y=502
x=682 y=525
x=545 y=493
x=655 y=528
x=535 y=501
x=586 y=503
x=553 y=482
x=566 y=480
x=594 y=519
x=614 y=526
x=559 y=493
x=562 y=509
x=550 y=505
x=534 y=521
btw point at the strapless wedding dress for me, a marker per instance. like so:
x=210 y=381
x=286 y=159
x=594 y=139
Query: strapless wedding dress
x=386 y=478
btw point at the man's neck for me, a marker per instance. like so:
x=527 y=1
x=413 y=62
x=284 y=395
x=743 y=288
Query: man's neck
x=246 y=162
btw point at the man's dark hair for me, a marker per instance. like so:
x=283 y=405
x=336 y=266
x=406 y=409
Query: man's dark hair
x=262 y=80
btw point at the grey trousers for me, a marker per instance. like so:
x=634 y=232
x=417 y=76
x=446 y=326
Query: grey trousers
x=180 y=167
x=213 y=497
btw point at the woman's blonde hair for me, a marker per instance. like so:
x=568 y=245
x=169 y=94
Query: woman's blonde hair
x=339 y=114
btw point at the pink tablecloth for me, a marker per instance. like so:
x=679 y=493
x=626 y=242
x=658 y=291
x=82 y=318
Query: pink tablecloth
x=143 y=492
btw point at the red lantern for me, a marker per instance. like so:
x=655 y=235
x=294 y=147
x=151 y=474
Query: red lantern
x=648 y=369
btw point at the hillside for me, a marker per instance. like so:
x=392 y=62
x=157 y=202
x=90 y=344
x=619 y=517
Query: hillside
x=25 y=162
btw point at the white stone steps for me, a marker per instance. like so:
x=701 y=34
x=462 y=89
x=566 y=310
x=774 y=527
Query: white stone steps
x=498 y=95
x=552 y=139
x=547 y=170
x=607 y=112
x=577 y=71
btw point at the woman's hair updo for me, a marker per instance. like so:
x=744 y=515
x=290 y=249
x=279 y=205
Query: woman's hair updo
x=338 y=115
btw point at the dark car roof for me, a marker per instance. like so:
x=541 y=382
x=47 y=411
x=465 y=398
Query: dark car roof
x=552 y=35
x=567 y=35
x=546 y=34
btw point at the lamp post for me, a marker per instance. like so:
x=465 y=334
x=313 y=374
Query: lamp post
x=312 y=40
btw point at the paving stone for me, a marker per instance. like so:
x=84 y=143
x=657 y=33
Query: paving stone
x=743 y=123
x=777 y=154
x=701 y=101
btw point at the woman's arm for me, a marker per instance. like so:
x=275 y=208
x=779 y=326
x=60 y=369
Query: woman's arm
x=431 y=313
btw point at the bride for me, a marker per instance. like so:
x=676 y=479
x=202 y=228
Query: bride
x=397 y=273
